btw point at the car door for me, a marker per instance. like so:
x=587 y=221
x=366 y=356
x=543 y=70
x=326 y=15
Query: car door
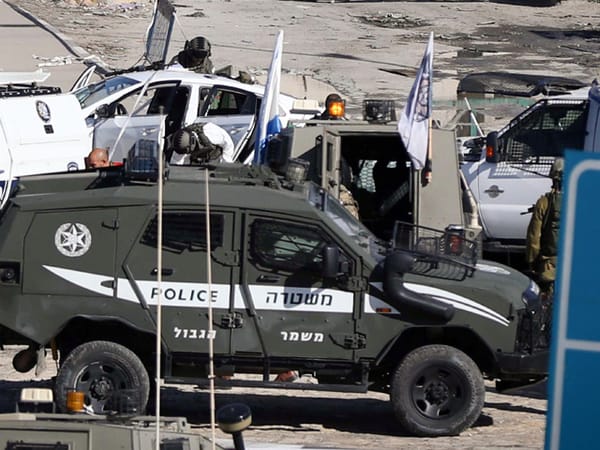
x=235 y=110
x=294 y=310
x=138 y=114
x=186 y=296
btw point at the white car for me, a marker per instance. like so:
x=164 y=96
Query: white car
x=55 y=132
x=184 y=96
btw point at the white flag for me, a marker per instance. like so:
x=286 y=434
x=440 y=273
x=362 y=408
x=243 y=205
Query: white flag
x=413 y=125
x=268 y=117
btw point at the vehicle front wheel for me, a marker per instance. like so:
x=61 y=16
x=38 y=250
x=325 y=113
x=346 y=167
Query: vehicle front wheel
x=102 y=370
x=437 y=390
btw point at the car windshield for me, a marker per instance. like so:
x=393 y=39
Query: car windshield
x=344 y=220
x=95 y=93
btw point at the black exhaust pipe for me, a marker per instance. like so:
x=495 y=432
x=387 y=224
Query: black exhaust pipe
x=395 y=266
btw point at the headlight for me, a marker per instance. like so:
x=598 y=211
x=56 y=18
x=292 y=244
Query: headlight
x=531 y=297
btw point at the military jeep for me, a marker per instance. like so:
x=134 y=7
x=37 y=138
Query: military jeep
x=296 y=283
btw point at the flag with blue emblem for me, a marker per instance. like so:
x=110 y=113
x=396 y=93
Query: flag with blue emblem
x=414 y=122
x=268 y=117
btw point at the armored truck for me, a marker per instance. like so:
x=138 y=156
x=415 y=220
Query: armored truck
x=273 y=272
x=368 y=160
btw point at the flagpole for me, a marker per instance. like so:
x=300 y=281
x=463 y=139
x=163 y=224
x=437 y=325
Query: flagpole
x=427 y=170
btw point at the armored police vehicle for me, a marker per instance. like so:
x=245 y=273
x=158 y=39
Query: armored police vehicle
x=363 y=161
x=296 y=283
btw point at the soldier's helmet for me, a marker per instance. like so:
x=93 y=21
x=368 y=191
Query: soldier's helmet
x=556 y=172
x=198 y=47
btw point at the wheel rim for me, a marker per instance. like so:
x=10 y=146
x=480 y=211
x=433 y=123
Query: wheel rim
x=100 y=381
x=438 y=392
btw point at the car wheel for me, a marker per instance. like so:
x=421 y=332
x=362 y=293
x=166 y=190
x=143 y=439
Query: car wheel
x=107 y=373
x=437 y=390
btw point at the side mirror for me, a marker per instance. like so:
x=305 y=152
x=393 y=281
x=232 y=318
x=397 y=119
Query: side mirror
x=103 y=112
x=492 y=153
x=331 y=261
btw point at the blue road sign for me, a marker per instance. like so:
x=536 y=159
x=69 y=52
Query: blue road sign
x=574 y=394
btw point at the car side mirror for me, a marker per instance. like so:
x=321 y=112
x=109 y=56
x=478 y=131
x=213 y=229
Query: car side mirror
x=492 y=153
x=331 y=261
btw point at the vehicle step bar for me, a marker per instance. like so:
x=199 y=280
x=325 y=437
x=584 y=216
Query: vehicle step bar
x=220 y=383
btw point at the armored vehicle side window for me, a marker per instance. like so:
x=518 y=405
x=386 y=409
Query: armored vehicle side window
x=287 y=246
x=185 y=230
x=545 y=133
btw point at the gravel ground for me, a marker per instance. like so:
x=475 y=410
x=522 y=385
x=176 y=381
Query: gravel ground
x=360 y=48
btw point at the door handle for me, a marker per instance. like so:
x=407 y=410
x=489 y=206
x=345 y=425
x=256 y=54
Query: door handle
x=494 y=191
x=165 y=272
x=269 y=278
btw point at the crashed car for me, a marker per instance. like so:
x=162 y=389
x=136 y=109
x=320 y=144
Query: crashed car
x=183 y=96
x=55 y=132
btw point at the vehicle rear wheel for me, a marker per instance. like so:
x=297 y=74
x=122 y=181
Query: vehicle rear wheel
x=102 y=370
x=437 y=390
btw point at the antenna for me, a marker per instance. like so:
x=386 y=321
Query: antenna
x=211 y=350
x=161 y=135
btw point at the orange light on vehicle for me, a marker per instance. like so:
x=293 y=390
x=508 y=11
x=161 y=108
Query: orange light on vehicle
x=489 y=151
x=336 y=109
x=75 y=401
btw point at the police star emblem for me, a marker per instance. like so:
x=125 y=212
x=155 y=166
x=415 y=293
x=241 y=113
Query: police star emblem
x=73 y=239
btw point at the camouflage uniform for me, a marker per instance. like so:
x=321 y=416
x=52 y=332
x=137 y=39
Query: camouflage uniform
x=542 y=233
x=196 y=55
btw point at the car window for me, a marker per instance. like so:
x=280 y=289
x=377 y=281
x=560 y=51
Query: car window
x=95 y=93
x=150 y=103
x=225 y=103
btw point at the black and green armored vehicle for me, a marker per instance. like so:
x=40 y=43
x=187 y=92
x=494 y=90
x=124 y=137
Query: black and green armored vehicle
x=296 y=283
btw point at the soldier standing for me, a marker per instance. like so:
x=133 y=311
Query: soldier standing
x=196 y=55
x=542 y=233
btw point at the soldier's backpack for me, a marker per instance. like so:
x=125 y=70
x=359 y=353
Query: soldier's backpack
x=551 y=224
x=192 y=140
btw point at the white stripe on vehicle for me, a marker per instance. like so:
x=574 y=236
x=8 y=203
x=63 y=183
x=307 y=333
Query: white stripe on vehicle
x=195 y=295
x=458 y=301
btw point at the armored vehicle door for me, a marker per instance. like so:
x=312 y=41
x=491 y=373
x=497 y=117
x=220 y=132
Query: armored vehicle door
x=439 y=202
x=234 y=110
x=185 y=294
x=331 y=158
x=71 y=253
x=294 y=310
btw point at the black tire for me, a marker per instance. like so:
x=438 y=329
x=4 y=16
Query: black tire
x=100 y=369
x=437 y=390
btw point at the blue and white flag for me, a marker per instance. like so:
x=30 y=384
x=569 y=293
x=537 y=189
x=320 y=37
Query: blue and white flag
x=413 y=125
x=268 y=117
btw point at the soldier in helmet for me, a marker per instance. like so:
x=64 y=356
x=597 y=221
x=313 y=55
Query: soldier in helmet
x=196 y=55
x=200 y=143
x=542 y=233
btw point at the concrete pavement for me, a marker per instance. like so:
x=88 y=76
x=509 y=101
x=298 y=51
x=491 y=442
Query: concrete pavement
x=29 y=44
